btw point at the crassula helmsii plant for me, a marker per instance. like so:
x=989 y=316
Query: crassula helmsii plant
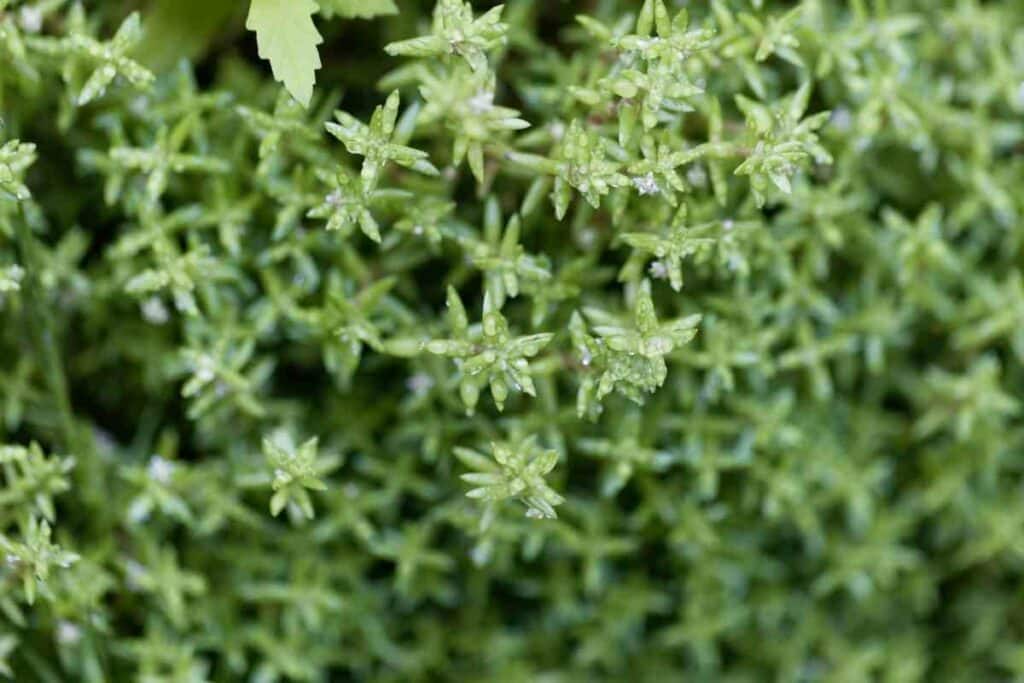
x=561 y=341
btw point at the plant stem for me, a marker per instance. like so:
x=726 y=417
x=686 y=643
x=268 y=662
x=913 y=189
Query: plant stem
x=39 y=323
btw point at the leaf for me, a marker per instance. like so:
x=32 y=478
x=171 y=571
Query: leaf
x=287 y=37
x=278 y=501
x=358 y=9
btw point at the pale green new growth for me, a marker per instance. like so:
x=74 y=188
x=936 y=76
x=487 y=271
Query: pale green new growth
x=103 y=62
x=516 y=471
x=32 y=480
x=487 y=354
x=15 y=158
x=501 y=258
x=469 y=113
x=623 y=356
x=784 y=140
x=34 y=557
x=649 y=79
x=456 y=32
x=296 y=471
x=377 y=144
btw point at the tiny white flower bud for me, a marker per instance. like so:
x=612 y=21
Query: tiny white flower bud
x=160 y=469
x=31 y=19
x=68 y=633
x=646 y=184
x=154 y=311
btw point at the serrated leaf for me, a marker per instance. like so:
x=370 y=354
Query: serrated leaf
x=287 y=37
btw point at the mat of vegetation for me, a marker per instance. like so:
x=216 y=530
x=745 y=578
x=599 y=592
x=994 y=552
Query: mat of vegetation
x=561 y=341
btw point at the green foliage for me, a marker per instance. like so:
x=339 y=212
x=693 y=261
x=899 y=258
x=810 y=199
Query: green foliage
x=455 y=32
x=90 y=65
x=31 y=479
x=31 y=557
x=15 y=158
x=296 y=472
x=374 y=142
x=742 y=278
x=628 y=356
x=517 y=472
x=783 y=141
x=288 y=38
x=487 y=353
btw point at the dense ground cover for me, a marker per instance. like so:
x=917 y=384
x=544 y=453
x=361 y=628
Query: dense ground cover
x=559 y=341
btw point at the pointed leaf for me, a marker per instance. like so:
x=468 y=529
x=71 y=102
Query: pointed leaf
x=287 y=37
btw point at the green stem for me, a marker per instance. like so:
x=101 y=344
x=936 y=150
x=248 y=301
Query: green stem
x=39 y=321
